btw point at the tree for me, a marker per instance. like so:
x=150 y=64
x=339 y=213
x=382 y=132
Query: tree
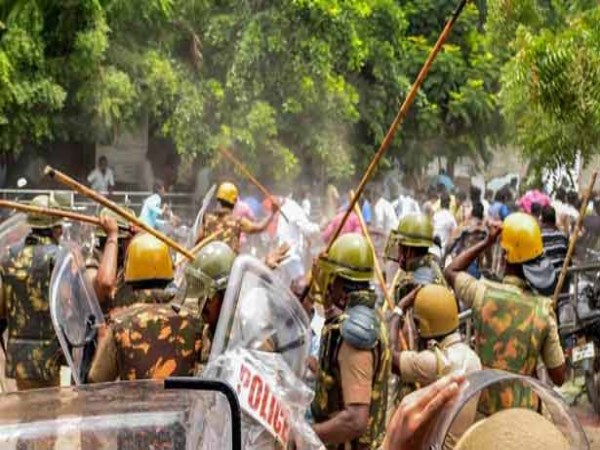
x=551 y=84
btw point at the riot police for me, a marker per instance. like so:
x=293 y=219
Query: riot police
x=150 y=338
x=354 y=359
x=33 y=354
x=223 y=220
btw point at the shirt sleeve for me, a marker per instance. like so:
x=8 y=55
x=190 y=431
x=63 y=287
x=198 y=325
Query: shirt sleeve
x=104 y=367
x=469 y=290
x=552 y=352
x=111 y=177
x=356 y=368
x=418 y=367
x=92 y=176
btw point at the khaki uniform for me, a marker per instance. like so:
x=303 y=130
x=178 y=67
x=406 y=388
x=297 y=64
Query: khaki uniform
x=513 y=328
x=448 y=356
x=148 y=341
x=404 y=283
x=348 y=375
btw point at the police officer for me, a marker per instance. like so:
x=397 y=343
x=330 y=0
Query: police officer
x=354 y=359
x=409 y=246
x=104 y=268
x=223 y=219
x=33 y=355
x=514 y=322
x=150 y=338
x=442 y=348
x=207 y=277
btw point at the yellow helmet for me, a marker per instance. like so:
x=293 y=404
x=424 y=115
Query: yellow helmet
x=41 y=221
x=350 y=257
x=436 y=310
x=227 y=192
x=521 y=238
x=148 y=260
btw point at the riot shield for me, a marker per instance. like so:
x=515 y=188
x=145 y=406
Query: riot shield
x=75 y=311
x=12 y=230
x=260 y=313
x=195 y=229
x=177 y=414
x=260 y=347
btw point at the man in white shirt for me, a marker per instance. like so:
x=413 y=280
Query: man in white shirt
x=152 y=209
x=296 y=233
x=385 y=218
x=405 y=205
x=444 y=222
x=102 y=179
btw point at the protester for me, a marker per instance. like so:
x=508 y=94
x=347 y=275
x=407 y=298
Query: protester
x=468 y=235
x=102 y=179
x=498 y=209
x=444 y=222
x=153 y=211
x=385 y=219
x=555 y=241
x=352 y=225
x=405 y=205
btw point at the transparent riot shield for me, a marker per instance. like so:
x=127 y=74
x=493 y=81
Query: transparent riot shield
x=260 y=313
x=260 y=347
x=13 y=230
x=177 y=414
x=195 y=229
x=553 y=406
x=75 y=311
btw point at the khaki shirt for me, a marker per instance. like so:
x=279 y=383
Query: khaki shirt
x=450 y=355
x=357 y=371
x=472 y=293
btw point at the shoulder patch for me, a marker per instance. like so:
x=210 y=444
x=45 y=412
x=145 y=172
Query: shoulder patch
x=360 y=329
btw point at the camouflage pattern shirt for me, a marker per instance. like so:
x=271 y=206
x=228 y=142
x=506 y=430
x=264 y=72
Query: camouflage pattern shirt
x=513 y=326
x=33 y=351
x=148 y=341
x=404 y=283
x=230 y=226
x=330 y=393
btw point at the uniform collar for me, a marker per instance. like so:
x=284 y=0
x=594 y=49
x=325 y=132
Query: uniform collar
x=515 y=281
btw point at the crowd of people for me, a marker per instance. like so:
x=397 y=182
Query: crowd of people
x=499 y=256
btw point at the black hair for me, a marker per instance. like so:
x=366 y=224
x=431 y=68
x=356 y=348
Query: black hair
x=536 y=209
x=500 y=196
x=225 y=204
x=475 y=194
x=103 y=159
x=477 y=210
x=445 y=201
x=158 y=185
x=573 y=199
x=548 y=215
x=461 y=196
x=561 y=194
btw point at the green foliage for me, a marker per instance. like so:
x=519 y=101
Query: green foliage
x=301 y=85
x=551 y=87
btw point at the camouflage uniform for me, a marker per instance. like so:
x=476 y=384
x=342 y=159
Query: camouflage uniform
x=513 y=328
x=33 y=352
x=224 y=220
x=328 y=393
x=403 y=281
x=149 y=341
